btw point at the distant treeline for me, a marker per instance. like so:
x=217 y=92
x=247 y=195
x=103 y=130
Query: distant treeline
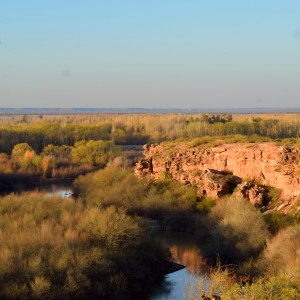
x=40 y=131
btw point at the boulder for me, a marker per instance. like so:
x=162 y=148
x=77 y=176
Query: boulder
x=256 y=194
x=216 y=183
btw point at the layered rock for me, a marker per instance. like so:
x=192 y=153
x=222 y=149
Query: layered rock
x=216 y=170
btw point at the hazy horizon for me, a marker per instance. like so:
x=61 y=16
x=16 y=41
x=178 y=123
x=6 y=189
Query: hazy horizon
x=156 y=55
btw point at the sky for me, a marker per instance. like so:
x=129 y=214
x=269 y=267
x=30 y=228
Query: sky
x=150 y=53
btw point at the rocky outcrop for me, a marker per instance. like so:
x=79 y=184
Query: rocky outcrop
x=217 y=170
x=215 y=184
x=256 y=194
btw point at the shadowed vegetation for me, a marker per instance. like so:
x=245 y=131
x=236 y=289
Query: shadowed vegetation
x=168 y=201
x=236 y=231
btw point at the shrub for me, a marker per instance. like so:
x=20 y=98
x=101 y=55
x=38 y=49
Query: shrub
x=221 y=282
x=237 y=230
x=206 y=204
x=118 y=186
x=272 y=288
x=19 y=150
x=273 y=193
x=95 y=153
x=215 y=283
x=277 y=221
x=282 y=255
x=111 y=186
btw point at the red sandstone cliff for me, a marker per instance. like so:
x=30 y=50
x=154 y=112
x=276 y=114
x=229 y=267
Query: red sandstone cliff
x=218 y=170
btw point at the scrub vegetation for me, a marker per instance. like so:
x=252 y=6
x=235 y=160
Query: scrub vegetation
x=98 y=245
x=171 y=203
x=60 y=162
x=262 y=250
x=52 y=248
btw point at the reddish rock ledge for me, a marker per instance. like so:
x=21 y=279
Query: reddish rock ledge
x=217 y=171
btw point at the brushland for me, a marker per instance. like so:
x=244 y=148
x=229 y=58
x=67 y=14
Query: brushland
x=256 y=255
x=52 y=248
x=98 y=247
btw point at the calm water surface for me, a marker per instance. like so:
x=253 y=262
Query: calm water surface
x=186 y=283
x=53 y=188
x=57 y=189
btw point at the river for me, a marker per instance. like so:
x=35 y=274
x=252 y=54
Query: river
x=188 y=282
x=51 y=187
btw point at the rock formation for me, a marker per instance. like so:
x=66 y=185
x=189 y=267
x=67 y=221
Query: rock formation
x=218 y=170
x=256 y=194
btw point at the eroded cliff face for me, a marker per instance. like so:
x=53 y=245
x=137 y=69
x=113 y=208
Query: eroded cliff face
x=217 y=171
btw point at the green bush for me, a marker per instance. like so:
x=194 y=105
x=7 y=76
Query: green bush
x=206 y=204
x=277 y=221
x=119 y=187
x=94 y=153
x=237 y=230
x=111 y=186
x=273 y=193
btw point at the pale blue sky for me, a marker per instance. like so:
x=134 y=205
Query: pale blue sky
x=154 y=53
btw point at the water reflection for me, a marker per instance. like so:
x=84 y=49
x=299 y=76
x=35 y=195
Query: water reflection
x=189 y=282
x=181 y=285
x=62 y=189
x=190 y=258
